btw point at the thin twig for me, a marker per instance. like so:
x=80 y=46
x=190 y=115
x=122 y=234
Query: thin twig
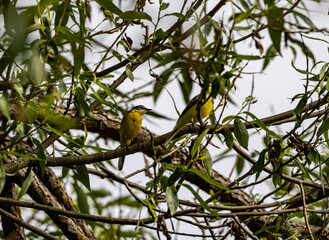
x=305 y=211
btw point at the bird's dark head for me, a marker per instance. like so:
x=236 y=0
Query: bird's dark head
x=141 y=109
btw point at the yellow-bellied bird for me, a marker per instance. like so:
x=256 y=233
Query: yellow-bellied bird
x=130 y=126
x=190 y=113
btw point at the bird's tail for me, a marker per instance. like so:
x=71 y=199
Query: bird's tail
x=171 y=136
x=121 y=162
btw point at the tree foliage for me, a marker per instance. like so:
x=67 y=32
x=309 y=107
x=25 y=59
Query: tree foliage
x=62 y=64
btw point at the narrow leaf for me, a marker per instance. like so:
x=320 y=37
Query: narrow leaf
x=65 y=171
x=305 y=19
x=26 y=184
x=201 y=201
x=263 y=126
x=241 y=133
x=207 y=160
x=82 y=104
x=228 y=138
x=41 y=155
x=81 y=198
x=4 y=106
x=303 y=169
x=177 y=174
x=129 y=73
x=323 y=128
x=323 y=72
x=300 y=70
x=79 y=58
x=313 y=155
x=108 y=5
x=259 y=165
x=2 y=175
x=276 y=39
x=301 y=104
x=131 y=15
x=207 y=179
x=197 y=143
x=172 y=199
x=240 y=164
x=276 y=28
x=69 y=35
x=83 y=176
x=276 y=179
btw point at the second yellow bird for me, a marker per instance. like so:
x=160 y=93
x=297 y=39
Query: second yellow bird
x=190 y=113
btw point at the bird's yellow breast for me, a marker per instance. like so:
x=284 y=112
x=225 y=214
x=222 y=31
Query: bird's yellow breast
x=205 y=110
x=130 y=125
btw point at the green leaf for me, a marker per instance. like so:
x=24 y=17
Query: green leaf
x=158 y=115
x=17 y=154
x=259 y=165
x=96 y=96
x=131 y=15
x=305 y=19
x=83 y=175
x=178 y=15
x=263 y=126
x=163 y=182
x=65 y=171
x=305 y=171
x=41 y=154
x=300 y=70
x=82 y=105
x=129 y=73
x=197 y=143
x=164 y=6
x=276 y=179
x=276 y=27
x=323 y=73
x=240 y=164
x=19 y=89
x=276 y=39
x=4 y=106
x=170 y=57
x=150 y=207
x=207 y=160
x=172 y=199
x=73 y=37
x=270 y=54
x=81 y=199
x=108 y=92
x=2 y=175
x=300 y=106
x=241 y=133
x=269 y=2
x=186 y=85
x=108 y=5
x=242 y=16
x=314 y=38
x=313 y=155
x=323 y=128
x=177 y=174
x=26 y=184
x=201 y=201
x=207 y=179
x=244 y=4
x=228 y=138
x=79 y=58
x=246 y=57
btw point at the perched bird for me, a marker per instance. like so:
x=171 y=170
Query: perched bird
x=190 y=113
x=129 y=128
